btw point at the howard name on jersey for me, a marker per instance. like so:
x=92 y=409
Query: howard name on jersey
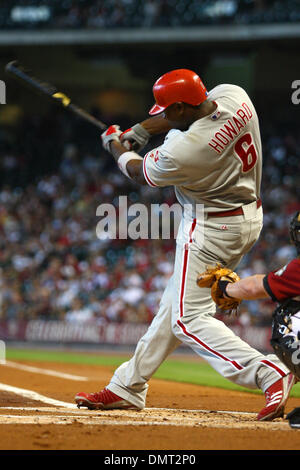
x=217 y=161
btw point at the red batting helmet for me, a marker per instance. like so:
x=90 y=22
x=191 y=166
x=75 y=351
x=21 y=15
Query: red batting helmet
x=181 y=85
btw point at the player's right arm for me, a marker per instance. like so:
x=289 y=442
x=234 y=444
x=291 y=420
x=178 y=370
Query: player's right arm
x=137 y=137
x=277 y=285
x=157 y=168
x=156 y=125
x=249 y=288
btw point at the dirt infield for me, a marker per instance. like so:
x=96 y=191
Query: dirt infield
x=177 y=417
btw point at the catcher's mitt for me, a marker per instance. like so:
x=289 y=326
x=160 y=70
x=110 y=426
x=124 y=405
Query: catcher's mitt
x=211 y=277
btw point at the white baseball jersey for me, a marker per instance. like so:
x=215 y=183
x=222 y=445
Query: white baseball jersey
x=217 y=162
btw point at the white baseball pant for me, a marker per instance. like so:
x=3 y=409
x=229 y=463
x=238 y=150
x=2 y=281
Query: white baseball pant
x=186 y=312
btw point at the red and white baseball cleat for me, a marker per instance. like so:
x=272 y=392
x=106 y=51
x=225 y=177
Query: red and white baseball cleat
x=104 y=400
x=276 y=398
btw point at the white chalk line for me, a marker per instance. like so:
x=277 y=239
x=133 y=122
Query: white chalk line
x=120 y=413
x=206 y=411
x=34 y=396
x=150 y=420
x=38 y=370
x=50 y=401
x=133 y=412
x=69 y=413
x=57 y=420
x=15 y=419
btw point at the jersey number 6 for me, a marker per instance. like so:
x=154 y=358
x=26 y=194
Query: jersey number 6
x=245 y=150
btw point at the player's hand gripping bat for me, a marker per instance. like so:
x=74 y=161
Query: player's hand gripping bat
x=15 y=70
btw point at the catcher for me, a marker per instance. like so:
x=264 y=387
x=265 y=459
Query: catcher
x=282 y=286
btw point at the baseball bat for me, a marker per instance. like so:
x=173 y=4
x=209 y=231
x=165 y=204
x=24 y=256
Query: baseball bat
x=17 y=71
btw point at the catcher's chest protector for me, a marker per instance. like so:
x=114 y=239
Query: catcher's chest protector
x=285 y=338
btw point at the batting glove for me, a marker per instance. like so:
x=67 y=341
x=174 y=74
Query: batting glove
x=135 y=138
x=112 y=133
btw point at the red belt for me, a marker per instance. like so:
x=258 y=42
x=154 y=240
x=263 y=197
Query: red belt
x=238 y=211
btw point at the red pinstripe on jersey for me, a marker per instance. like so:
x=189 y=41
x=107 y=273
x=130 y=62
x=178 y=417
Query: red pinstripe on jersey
x=146 y=174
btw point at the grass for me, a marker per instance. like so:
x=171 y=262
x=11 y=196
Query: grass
x=185 y=369
x=64 y=357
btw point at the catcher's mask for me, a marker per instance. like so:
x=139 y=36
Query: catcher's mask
x=285 y=338
x=295 y=231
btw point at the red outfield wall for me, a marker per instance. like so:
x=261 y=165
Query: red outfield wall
x=110 y=333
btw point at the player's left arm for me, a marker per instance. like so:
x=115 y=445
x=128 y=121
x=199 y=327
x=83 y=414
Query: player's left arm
x=277 y=285
x=249 y=288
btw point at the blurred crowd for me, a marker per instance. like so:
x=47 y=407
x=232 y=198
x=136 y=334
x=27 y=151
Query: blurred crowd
x=149 y=13
x=54 y=174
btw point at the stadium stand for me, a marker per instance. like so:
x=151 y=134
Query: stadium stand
x=54 y=172
x=79 y=14
x=52 y=264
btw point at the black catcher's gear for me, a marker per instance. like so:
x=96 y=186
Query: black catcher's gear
x=285 y=342
x=295 y=231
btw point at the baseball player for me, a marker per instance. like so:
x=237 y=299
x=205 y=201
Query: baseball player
x=282 y=286
x=212 y=156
